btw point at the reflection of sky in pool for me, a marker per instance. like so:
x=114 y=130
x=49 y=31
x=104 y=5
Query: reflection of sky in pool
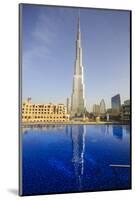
x=73 y=158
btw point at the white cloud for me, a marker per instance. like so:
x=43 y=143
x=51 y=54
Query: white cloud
x=45 y=30
x=43 y=37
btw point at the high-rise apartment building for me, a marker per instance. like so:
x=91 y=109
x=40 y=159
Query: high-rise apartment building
x=102 y=107
x=116 y=104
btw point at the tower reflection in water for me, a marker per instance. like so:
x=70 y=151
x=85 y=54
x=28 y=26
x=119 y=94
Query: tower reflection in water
x=118 y=132
x=78 y=133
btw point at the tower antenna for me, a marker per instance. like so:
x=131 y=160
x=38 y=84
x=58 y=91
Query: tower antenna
x=79 y=17
x=79 y=13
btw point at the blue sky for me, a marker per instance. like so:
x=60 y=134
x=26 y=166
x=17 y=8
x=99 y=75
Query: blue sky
x=48 y=53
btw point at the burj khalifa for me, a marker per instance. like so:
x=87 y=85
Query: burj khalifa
x=77 y=98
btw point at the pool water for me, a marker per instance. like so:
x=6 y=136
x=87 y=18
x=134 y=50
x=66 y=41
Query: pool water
x=75 y=158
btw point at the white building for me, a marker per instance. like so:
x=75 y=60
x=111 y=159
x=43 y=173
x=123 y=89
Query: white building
x=102 y=107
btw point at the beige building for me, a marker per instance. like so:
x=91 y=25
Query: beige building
x=96 y=109
x=43 y=112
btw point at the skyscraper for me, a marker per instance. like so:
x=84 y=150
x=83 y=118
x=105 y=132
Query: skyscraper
x=96 y=109
x=102 y=107
x=126 y=109
x=116 y=103
x=77 y=98
x=68 y=105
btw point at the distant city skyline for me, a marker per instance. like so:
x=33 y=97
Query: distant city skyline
x=48 y=53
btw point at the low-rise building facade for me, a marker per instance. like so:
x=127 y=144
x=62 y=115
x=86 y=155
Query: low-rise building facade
x=44 y=112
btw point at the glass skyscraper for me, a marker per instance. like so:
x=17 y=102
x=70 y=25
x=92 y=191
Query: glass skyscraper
x=116 y=103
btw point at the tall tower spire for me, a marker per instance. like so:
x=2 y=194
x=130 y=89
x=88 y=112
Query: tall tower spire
x=78 y=27
x=77 y=98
